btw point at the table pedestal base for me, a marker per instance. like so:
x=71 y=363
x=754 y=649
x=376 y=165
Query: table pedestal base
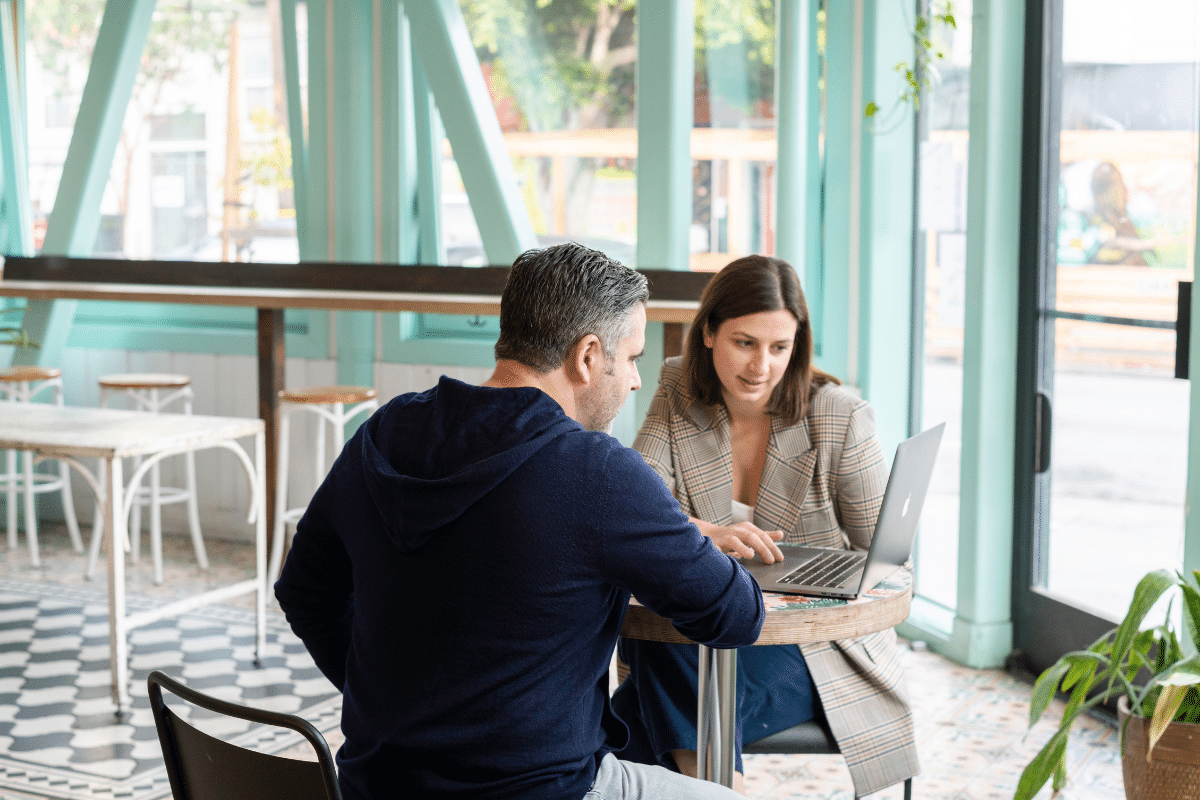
x=715 y=715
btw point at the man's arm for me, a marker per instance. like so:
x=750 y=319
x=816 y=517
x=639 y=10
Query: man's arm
x=651 y=549
x=316 y=588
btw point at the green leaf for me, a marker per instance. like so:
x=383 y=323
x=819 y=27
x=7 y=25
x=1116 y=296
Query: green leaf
x=871 y=109
x=948 y=19
x=1191 y=615
x=1185 y=673
x=1044 y=688
x=1060 y=773
x=1164 y=712
x=1080 y=668
x=1148 y=590
x=1042 y=766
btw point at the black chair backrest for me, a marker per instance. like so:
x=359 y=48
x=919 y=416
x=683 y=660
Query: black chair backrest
x=201 y=767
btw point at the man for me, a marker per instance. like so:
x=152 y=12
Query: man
x=462 y=573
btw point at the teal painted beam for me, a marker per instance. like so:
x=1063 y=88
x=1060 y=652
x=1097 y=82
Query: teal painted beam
x=319 y=193
x=441 y=41
x=982 y=634
x=354 y=175
x=798 y=159
x=291 y=72
x=795 y=86
x=353 y=141
x=665 y=77
x=886 y=214
x=428 y=135
x=398 y=165
x=75 y=218
x=814 y=252
x=17 y=236
x=837 y=309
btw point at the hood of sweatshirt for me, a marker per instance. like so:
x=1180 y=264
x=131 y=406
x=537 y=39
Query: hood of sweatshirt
x=428 y=457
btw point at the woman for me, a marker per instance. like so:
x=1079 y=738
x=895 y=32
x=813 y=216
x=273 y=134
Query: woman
x=758 y=445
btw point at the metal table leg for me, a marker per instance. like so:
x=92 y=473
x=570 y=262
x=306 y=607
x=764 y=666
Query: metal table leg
x=114 y=496
x=260 y=546
x=716 y=705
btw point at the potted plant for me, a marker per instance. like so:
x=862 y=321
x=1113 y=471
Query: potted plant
x=1159 y=719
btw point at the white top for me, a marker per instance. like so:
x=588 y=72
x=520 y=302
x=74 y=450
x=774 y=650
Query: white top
x=111 y=433
x=742 y=512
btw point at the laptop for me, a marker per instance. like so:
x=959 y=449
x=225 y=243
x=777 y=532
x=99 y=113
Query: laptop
x=833 y=572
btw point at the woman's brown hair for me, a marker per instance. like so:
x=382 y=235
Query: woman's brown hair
x=751 y=285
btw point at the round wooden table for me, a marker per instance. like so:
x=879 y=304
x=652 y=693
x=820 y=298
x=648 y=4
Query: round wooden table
x=791 y=619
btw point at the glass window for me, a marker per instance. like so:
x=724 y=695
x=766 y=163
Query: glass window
x=941 y=249
x=1126 y=194
x=562 y=79
x=167 y=196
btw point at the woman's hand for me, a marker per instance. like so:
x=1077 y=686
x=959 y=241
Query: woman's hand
x=743 y=540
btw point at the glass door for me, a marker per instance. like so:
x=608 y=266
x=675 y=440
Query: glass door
x=1108 y=219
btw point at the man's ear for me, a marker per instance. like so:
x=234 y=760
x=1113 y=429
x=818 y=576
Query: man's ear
x=586 y=360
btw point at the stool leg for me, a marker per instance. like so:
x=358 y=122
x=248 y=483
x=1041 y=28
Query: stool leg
x=156 y=523
x=30 y=511
x=339 y=431
x=10 y=497
x=319 y=461
x=281 y=482
x=193 y=510
x=68 y=501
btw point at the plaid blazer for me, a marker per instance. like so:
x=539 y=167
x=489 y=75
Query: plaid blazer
x=822 y=485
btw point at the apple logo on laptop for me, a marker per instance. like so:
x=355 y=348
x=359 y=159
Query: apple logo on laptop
x=904 y=510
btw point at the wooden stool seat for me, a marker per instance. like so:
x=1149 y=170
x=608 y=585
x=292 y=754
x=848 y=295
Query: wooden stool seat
x=144 y=380
x=328 y=394
x=22 y=374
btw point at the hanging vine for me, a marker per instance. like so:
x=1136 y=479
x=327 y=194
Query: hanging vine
x=922 y=73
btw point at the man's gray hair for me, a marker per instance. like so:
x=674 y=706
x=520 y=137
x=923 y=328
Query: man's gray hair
x=556 y=296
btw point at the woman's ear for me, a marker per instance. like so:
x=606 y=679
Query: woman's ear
x=709 y=338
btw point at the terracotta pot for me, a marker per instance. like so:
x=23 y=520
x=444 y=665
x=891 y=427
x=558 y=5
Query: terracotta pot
x=1174 y=771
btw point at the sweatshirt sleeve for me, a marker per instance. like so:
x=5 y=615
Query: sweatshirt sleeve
x=651 y=549
x=316 y=588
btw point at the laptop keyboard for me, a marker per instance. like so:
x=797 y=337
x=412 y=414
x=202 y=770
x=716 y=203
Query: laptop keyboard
x=827 y=569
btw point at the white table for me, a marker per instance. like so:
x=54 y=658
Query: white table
x=70 y=434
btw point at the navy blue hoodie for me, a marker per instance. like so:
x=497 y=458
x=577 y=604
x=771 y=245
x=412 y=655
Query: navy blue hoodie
x=462 y=575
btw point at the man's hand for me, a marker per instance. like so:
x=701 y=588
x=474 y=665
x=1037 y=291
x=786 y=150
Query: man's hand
x=743 y=540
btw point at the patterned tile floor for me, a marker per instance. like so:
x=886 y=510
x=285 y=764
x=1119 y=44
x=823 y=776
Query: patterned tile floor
x=971 y=724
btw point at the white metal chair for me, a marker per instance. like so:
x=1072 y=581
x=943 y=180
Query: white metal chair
x=22 y=385
x=152 y=392
x=334 y=406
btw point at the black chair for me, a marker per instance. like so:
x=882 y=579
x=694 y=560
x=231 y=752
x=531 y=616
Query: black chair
x=203 y=768
x=807 y=738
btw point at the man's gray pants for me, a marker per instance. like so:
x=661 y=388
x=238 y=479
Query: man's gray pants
x=624 y=780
